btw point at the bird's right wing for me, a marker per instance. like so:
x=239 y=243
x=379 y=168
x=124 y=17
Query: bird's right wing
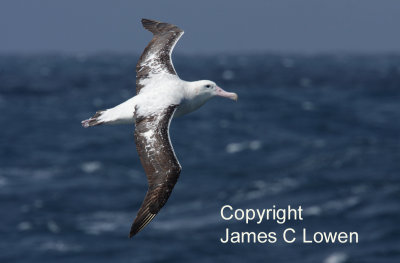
x=159 y=162
x=156 y=57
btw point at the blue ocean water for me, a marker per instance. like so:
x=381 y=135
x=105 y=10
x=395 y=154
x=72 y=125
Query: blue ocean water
x=320 y=131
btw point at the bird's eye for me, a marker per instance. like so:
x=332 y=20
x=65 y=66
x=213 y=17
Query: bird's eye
x=208 y=86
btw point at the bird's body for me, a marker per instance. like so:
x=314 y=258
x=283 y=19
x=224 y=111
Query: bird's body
x=155 y=98
x=161 y=95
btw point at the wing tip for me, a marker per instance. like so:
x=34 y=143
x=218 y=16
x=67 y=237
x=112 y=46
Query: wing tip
x=146 y=21
x=133 y=232
x=140 y=223
x=156 y=27
x=150 y=25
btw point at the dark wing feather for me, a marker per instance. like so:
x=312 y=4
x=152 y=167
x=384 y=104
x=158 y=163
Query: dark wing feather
x=159 y=162
x=156 y=57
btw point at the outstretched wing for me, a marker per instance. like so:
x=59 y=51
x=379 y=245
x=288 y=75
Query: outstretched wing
x=159 y=162
x=156 y=57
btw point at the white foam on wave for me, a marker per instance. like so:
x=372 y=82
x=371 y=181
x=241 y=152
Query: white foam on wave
x=53 y=227
x=3 y=181
x=313 y=210
x=236 y=147
x=10 y=173
x=342 y=204
x=337 y=257
x=59 y=246
x=333 y=205
x=24 y=226
x=91 y=167
x=261 y=188
x=103 y=222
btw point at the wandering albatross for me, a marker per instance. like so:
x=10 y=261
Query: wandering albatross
x=160 y=96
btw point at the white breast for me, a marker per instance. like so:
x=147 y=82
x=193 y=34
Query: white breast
x=159 y=91
x=189 y=105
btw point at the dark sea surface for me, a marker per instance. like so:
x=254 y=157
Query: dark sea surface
x=320 y=131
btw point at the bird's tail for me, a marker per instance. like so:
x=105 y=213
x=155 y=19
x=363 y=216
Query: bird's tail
x=94 y=121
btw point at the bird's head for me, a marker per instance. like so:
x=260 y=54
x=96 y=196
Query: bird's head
x=208 y=89
x=196 y=93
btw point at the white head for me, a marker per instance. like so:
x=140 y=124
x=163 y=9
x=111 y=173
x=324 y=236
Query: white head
x=206 y=89
x=199 y=92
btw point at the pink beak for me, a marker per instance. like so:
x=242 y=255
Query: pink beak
x=229 y=95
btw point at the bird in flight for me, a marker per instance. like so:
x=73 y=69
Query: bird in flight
x=160 y=96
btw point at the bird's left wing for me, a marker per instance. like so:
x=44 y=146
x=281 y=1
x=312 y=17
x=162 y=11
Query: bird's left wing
x=159 y=162
x=156 y=57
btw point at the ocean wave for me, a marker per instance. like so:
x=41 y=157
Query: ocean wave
x=236 y=147
x=259 y=188
x=336 y=257
x=103 y=222
x=3 y=181
x=91 y=167
x=188 y=222
x=59 y=246
x=332 y=206
x=36 y=173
